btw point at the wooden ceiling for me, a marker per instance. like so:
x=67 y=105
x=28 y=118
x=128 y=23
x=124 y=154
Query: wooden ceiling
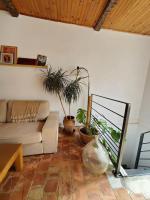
x=126 y=15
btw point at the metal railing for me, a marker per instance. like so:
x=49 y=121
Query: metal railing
x=143 y=154
x=116 y=149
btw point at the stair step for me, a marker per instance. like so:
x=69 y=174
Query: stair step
x=137 y=172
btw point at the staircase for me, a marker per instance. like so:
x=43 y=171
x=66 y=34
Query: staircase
x=142 y=163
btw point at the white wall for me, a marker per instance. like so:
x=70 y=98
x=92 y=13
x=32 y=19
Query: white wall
x=145 y=108
x=117 y=62
x=144 y=121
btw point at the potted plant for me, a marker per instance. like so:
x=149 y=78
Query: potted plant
x=59 y=83
x=55 y=82
x=86 y=133
x=71 y=94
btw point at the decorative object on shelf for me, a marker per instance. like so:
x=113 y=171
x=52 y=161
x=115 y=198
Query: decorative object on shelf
x=41 y=60
x=7 y=58
x=26 y=61
x=95 y=157
x=11 y=50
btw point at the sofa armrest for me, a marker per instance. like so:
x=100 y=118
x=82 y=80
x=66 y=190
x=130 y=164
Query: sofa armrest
x=50 y=133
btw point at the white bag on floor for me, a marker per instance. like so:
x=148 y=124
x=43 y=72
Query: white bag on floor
x=95 y=157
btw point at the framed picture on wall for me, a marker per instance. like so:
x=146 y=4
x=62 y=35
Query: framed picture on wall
x=11 y=50
x=7 y=58
x=41 y=60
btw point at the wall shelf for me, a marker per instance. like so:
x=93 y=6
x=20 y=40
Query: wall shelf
x=23 y=65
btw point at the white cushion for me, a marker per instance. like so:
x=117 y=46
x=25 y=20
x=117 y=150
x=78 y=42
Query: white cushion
x=43 y=111
x=25 y=133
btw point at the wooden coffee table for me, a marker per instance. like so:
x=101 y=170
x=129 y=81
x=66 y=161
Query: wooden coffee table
x=10 y=154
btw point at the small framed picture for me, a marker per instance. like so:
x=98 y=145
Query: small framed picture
x=7 y=58
x=11 y=50
x=41 y=60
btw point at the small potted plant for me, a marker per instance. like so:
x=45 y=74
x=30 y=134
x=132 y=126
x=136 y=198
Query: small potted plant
x=86 y=133
x=89 y=133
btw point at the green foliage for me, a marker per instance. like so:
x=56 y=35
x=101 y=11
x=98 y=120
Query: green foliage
x=102 y=124
x=55 y=81
x=92 y=130
x=72 y=91
x=115 y=134
x=81 y=116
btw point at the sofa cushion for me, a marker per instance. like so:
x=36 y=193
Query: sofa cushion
x=25 y=133
x=43 y=111
x=27 y=110
x=3 y=110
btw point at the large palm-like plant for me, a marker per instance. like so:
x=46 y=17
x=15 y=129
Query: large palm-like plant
x=72 y=91
x=59 y=83
x=56 y=82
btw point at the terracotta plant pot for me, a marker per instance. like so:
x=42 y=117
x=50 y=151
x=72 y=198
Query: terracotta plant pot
x=69 y=124
x=84 y=137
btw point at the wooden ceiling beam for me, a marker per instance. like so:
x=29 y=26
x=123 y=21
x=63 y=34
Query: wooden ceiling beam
x=10 y=7
x=106 y=10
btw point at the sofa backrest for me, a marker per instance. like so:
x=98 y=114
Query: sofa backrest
x=22 y=107
x=3 y=110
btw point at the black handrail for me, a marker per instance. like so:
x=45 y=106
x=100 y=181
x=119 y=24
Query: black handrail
x=117 y=148
x=108 y=109
x=110 y=99
x=140 y=151
x=103 y=116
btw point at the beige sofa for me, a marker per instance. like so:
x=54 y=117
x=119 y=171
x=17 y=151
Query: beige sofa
x=29 y=123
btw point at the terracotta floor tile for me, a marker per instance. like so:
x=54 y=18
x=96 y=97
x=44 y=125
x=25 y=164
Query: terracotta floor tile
x=43 y=165
x=28 y=174
x=36 y=193
x=59 y=176
x=51 y=185
x=39 y=179
x=10 y=183
x=16 y=195
x=4 y=196
x=50 y=197
x=24 y=188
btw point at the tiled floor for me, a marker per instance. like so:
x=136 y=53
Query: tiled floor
x=59 y=176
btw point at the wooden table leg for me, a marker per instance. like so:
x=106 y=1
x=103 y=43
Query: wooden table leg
x=19 y=160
